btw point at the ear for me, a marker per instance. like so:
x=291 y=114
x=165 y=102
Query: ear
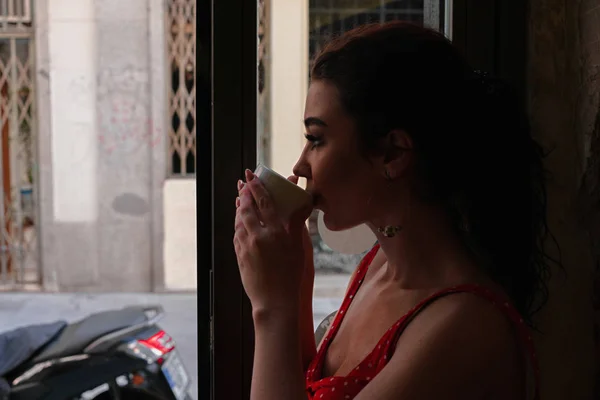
x=398 y=153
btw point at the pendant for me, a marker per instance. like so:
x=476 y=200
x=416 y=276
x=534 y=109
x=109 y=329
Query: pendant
x=389 y=231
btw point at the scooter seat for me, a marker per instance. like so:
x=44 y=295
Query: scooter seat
x=19 y=345
x=77 y=336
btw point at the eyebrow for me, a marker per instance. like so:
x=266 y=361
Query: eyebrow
x=314 y=121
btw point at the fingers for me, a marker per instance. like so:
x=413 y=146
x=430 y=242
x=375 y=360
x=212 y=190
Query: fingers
x=246 y=214
x=239 y=222
x=249 y=175
x=237 y=246
x=239 y=238
x=263 y=201
x=240 y=213
x=240 y=234
x=254 y=206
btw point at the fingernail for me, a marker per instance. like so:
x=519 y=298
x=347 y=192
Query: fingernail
x=249 y=175
x=237 y=201
x=240 y=185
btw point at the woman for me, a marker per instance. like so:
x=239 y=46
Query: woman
x=438 y=160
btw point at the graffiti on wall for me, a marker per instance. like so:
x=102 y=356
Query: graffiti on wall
x=125 y=123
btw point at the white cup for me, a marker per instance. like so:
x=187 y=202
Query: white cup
x=287 y=196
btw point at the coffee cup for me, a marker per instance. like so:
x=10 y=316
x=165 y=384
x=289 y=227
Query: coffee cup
x=287 y=196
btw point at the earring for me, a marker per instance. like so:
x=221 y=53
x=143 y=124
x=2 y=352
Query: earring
x=389 y=230
x=387 y=175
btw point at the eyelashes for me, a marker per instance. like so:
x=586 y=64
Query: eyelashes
x=315 y=141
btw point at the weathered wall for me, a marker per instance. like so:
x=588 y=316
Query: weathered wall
x=180 y=246
x=102 y=136
x=563 y=83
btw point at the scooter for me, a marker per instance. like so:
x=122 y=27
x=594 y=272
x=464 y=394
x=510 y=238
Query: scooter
x=117 y=354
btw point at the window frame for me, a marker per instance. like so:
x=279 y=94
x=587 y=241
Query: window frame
x=493 y=36
x=233 y=145
x=204 y=144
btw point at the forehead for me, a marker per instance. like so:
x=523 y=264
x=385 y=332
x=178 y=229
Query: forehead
x=322 y=100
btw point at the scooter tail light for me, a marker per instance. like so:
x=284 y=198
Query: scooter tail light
x=160 y=343
x=152 y=349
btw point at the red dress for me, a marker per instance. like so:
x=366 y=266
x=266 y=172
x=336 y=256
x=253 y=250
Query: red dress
x=347 y=387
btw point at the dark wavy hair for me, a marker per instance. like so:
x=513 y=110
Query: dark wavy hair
x=472 y=138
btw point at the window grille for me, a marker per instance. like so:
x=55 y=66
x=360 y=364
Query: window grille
x=329 y=18
x=19 y=263
x=181 y=39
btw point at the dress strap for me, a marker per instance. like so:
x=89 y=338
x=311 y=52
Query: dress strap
x=362 y=269
x=505 y=307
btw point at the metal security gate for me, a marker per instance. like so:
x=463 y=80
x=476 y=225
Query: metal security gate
x=181 y=43
x=328 y=18
x=19 y=264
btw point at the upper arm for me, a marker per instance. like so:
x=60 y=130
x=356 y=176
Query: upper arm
x=452 y=350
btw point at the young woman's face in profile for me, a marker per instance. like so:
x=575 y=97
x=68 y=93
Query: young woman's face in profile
x=340 y=177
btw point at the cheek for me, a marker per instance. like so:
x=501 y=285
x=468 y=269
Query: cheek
x=334 y=170
x=344 y=180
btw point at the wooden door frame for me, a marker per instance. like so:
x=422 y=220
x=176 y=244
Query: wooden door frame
x=493 y=35
x=233 y=141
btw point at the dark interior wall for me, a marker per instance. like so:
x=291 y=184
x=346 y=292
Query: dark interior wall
x=588 y=101
x=564 y=81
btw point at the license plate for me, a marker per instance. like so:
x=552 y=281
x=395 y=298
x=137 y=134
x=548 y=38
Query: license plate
x=176 y=375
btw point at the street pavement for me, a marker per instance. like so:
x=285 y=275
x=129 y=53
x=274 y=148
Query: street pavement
x=181 y=319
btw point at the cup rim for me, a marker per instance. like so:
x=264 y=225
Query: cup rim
x=278 y=175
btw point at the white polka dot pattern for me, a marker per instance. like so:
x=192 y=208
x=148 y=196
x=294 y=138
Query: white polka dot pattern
x=347 y=387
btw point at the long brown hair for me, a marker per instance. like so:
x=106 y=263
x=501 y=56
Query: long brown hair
x=472 y=139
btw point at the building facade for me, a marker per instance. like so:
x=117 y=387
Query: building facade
x=99 y=122
x=111 y=100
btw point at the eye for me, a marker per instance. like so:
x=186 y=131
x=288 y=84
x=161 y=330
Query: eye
x=315 y=141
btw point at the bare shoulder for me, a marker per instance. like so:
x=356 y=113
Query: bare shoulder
x=464 y=315
x=460 y=346
x=469 y=329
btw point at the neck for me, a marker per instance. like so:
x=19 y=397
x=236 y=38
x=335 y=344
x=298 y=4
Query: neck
x=425 y=253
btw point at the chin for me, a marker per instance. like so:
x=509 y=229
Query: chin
x=335 y=224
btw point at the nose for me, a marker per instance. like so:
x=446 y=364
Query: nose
x=302 y=167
